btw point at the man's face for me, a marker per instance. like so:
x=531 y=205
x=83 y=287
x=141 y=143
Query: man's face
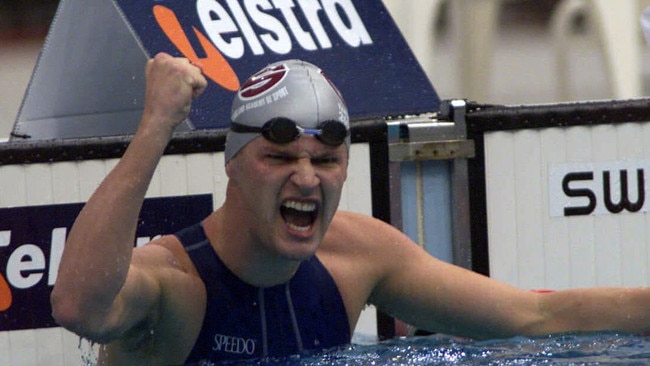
x=287 y=194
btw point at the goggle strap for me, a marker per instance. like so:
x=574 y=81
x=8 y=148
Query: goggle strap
x=240 y=128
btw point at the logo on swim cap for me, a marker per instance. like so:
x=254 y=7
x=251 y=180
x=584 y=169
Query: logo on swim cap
x=262 y=81
x=291 y=89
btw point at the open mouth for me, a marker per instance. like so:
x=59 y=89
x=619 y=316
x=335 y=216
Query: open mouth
x=299 y=216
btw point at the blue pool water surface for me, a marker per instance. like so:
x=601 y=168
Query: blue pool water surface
x=568 y=349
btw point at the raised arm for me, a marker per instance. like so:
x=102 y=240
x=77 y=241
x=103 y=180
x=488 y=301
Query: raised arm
x=92 y=295
x=433 y=295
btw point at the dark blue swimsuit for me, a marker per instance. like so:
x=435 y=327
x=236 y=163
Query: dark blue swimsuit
x=243 y=321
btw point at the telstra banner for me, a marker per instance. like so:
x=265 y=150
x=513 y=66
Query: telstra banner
x=32 y=240
x=89 y=80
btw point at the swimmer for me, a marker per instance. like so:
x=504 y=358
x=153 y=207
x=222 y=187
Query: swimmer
x=277 y=269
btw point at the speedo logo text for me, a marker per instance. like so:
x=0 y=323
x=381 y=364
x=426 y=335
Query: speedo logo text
x=236 y=345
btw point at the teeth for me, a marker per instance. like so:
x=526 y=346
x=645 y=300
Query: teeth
x=298 y=228
x=300 y=206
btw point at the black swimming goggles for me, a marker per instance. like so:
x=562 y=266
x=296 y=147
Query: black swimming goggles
x=282 y=130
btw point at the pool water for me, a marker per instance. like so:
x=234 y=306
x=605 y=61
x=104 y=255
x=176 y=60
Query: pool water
x=567 y=349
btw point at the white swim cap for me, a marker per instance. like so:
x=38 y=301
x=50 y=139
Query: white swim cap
x=291 y=89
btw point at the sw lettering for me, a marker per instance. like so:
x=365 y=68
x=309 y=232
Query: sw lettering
x=612 y=205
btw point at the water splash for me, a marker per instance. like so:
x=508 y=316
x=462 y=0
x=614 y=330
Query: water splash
x=597 y=349
x=562 y=350
x=88 y=351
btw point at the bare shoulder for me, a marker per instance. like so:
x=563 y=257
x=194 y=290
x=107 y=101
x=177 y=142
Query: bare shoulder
x=182 y=286
x=171 y=251
x=360 y=252
x=357 y=232
x=366 y=241
x=170 y=330
x=357 y=226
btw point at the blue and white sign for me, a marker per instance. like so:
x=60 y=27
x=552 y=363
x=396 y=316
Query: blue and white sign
x=89 y=80
x=32 y=241
x=356 y=43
